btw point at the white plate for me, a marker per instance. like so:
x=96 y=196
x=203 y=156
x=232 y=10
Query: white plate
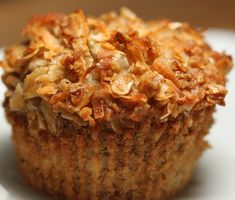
x=214 y=178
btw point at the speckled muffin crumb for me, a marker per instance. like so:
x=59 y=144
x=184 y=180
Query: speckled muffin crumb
x=111 y=106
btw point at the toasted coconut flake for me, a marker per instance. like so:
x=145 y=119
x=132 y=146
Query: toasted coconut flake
x=128 y=13
x=76 y=96
x=121 y=60
x=139 y=68
x=17 y=102
x=59 y=96
x=37 y=63
x=31 y=52
x=75 y=24
x=85 y=114
x=175 y=25
x=216 y=89
x=150 y=84
x=98 y=37
x=47 y=90
x=165 y=92
x=216 y=94
x=121 y=84
x=73 y=87
x=54 y=73
x=135 y=99
x=164 y=69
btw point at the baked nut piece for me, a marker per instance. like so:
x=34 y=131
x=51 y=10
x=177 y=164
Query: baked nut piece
x=112 y=107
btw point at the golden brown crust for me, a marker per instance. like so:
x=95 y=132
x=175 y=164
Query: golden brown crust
x=90 y=69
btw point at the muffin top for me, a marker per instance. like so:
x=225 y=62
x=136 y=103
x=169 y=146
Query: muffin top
x=93 y=68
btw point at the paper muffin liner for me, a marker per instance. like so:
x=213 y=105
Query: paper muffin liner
x=153 y=161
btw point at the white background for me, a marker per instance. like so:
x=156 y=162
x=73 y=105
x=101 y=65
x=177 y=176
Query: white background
x=214 y=178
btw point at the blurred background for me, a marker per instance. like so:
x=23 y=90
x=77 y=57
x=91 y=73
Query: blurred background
x=204 y=13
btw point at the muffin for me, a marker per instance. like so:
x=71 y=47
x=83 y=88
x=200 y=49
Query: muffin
x=111 y=107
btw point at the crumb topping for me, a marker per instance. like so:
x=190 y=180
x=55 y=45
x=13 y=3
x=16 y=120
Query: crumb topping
x=95 y=68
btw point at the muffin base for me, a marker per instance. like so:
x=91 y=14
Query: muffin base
x=154 y=163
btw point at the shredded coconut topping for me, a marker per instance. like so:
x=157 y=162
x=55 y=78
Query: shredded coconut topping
x=94 y=68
